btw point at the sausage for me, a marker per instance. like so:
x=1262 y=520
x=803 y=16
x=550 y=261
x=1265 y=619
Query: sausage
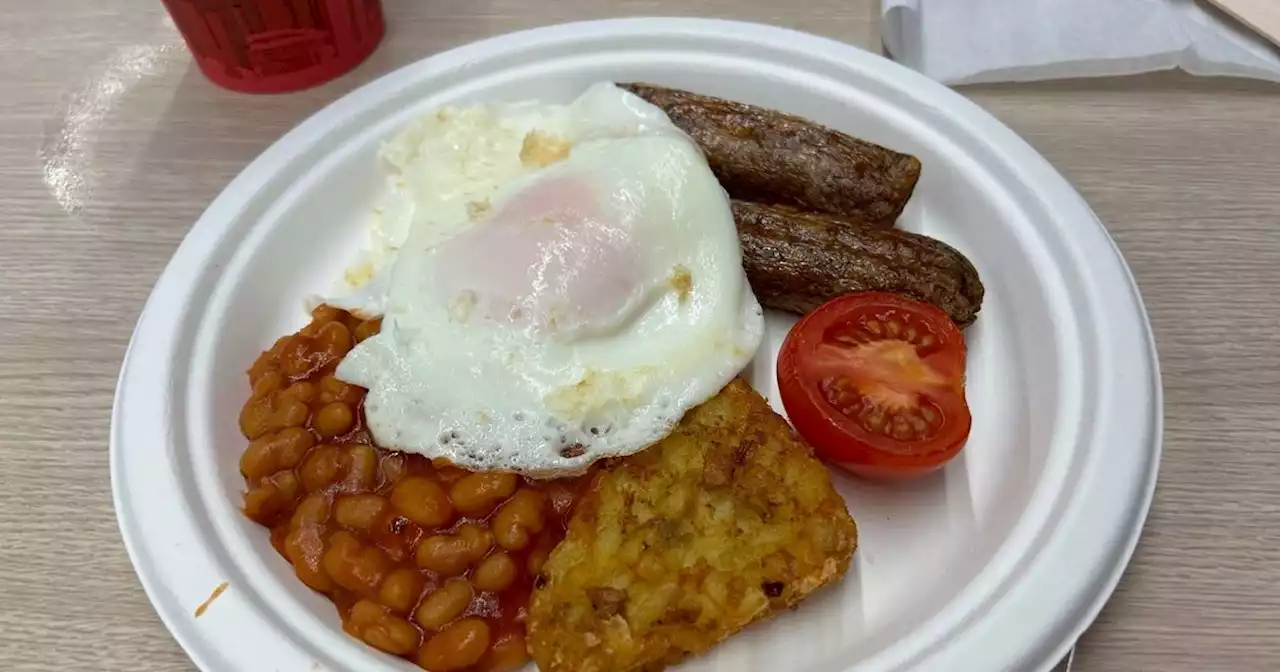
x=766 y=156
x=796 y=261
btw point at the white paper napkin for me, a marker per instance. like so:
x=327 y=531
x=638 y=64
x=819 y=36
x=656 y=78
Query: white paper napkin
x=968 y=41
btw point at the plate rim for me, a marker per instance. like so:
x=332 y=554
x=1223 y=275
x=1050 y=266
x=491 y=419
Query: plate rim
x=234 y=196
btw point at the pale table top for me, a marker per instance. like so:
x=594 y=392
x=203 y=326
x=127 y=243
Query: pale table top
x=111 y=144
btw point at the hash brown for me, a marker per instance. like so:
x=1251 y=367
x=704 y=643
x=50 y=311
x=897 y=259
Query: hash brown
x=728 y=520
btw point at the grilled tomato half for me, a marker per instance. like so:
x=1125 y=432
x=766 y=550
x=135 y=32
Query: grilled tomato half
x=875 y=383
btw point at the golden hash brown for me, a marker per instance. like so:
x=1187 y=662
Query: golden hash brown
x=728 y=520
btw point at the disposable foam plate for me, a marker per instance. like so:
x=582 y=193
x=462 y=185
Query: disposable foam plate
x=997 y=563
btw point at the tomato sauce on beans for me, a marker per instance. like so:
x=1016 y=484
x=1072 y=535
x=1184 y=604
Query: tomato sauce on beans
x=423 y=560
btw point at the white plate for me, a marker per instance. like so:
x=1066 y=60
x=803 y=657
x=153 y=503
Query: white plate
x=998 y=563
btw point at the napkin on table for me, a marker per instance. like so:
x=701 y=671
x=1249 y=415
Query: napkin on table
x=969 y=41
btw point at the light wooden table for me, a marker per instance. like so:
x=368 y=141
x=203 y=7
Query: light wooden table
x=111 y=144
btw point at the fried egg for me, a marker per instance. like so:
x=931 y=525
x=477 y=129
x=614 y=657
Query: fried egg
x=569 y=284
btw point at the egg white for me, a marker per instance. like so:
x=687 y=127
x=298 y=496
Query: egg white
x=528 y=334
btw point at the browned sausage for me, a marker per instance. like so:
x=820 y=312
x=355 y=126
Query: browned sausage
x=769 y=157
x=796 y=261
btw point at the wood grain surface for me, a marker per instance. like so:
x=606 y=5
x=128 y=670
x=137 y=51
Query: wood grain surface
x=111 y=144
x=1260 y=15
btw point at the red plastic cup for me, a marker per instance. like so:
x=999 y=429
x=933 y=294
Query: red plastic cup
x=274 y=46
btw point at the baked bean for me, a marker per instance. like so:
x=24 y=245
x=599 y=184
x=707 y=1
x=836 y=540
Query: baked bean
x=508 y=653
x=325 y=313
x=292 y=444
x=321 y=467
x=267 y=383
x=273 y=452
x=297 y=358
x=354 y=566
x=450 y=555
x=446 y=472
x=343 y=548
x=286 y=483
x=362 y=468
x=392 y=635
x=444 y=604
x=537 y=558
x=457 y=647
x=258 y=417
x=334 y=341
x=334 y=419
x=268 y=361
x=446 y=555
x=278 y=347
x=354 y=468
x=367 y=328
x=268 y=414
x=369 y=569
x=351 y=321
x=273 y=497
x=258 y=459
x=303 y=390
x=476 y=539
x=332 y=389
x=312 y=510
x=401 y=589
x=304 y=547
x=423 y=501
x=262 y=504
x=394 y=468
x=518 y=519
x=292 y=413
x=383 y=630
x=265 y=364
x=477 y=494
x=560 y=496
x=359 y=511
x=495 y=573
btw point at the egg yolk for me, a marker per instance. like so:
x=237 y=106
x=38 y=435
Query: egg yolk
x=552 y=257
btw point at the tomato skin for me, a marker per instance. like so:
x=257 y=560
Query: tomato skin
x=908 y=375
